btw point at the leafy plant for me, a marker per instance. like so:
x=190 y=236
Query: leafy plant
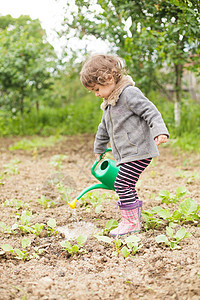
x=96 y=199
x=8 y=229
x=132 y=245
x=172 y=240
x=18 y=204
x=64 y=192
x=166 y=197
x=191 y=176
x=22 y=254
x=19 y=254
x=188 y=210
x=56 y=161
x=11 y=168
x=37 y=228
x=35 y=143
x=150 y=221
x=51 y=229
x=45 y=202
x=72 y=249
x=127 y=247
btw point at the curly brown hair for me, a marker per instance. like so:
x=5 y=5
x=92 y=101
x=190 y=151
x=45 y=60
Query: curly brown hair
x=99 y=69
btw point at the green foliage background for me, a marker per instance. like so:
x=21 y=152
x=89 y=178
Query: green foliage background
x=41 y=94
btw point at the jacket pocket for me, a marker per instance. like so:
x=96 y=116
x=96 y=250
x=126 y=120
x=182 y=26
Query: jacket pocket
x=130 y=148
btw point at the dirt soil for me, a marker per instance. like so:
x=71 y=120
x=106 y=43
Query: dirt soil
x=154 y=272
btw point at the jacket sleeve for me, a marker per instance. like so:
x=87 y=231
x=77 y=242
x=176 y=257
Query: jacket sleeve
x=102 y=137
x=141 y=106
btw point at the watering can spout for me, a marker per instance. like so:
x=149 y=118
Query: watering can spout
x=90 y=188
x=106 y=173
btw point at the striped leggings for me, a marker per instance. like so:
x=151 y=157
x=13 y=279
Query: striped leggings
x=127 y=178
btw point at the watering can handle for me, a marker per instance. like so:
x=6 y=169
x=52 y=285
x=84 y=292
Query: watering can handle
x=97 y=161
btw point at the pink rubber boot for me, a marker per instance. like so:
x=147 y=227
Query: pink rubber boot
x=131 y=215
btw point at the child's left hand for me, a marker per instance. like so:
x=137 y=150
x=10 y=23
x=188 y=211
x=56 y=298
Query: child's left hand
x=161 y=139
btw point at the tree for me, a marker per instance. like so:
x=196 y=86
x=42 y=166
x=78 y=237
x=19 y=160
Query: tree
x=25 y=63
x=152 y=36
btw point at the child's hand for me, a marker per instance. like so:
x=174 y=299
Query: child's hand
x=161 y=139
x=97 y=155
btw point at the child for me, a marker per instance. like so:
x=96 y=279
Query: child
x=133 y=126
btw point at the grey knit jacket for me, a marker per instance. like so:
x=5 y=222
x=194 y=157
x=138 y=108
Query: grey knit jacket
x=130 y=126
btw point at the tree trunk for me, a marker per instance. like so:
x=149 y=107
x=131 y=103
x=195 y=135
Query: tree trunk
x=177 y=98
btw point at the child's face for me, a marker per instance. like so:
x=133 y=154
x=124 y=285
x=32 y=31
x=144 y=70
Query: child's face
x=103 y=91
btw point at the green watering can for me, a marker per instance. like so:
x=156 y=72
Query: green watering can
x=106 y=173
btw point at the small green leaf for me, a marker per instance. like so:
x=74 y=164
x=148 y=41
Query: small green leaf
x=98 y=209
x=81 y=240
x=26 y=242
x=162 y=239
x=132 y=239
x=51 y=223
x=181 y=191
x=111 y=224
x=103 y=238
x=180 y=234
x=188 y=206
x=125 y=251
x=7 y=248
x=75 y=248
x=169 y=232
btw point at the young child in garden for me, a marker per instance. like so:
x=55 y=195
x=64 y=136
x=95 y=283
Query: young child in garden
x=133 y=126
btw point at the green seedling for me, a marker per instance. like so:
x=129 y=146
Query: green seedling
x=73 y=249
x=188 y=210
x=8 y=229
x=191 y=176
x=150 y=221
x=167 y=197
x=64 y=192
x=22 y=254
x=45 y=202
x=172 y=240
x=51 y=227
x=25 y=219
x=18 y=204
x=56 y=161
x=132 y=245
x=19 y=254
x=111 y=224
x=11 y=168
x=37 y=228
x=35 y=143
x=127 y=247
x=1 y=179
x=95 y=199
